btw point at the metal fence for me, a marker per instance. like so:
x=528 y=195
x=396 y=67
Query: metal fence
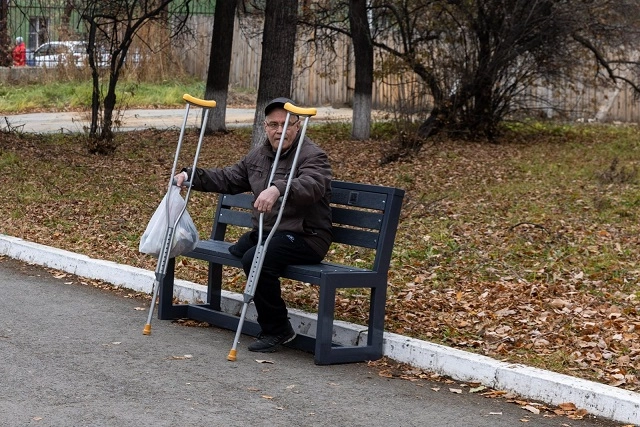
x=39 y=22
x=43 y=21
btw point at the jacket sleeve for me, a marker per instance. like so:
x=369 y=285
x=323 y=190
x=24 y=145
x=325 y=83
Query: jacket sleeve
x=230 y=180
x=312 y=178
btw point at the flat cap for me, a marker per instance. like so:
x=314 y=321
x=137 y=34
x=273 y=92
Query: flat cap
x=275 y=103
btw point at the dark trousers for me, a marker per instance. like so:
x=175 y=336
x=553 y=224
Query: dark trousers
x=285 y=248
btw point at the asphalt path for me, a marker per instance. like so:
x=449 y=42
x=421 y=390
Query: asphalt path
x=74 y=355
x=74 y=122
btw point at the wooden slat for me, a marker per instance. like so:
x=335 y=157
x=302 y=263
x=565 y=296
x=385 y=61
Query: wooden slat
x=316 y=82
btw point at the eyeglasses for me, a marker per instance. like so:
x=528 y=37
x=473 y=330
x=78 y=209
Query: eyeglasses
x=276 y=125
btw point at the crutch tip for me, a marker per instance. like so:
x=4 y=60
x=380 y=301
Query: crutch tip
x=232 y=356
x=147 y=329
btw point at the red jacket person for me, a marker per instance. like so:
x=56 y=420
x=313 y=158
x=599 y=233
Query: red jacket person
x=19 y=53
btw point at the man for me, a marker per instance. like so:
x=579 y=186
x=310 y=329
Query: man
x=304 y=233
x=19 y=53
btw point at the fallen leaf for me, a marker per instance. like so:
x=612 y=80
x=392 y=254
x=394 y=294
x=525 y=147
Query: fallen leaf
x=455 y=390
x=264 y=396
x=531 y=409
x=264 y=361
x=567 y=406
x=477 y=389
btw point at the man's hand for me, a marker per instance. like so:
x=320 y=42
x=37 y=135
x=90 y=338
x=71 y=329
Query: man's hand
x=180 y=178
x=267 y=199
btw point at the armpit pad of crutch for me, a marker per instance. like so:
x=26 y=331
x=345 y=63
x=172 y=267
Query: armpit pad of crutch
x=261 y=249
x=163 y=257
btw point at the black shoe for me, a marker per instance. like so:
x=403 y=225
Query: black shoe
x=269 y=343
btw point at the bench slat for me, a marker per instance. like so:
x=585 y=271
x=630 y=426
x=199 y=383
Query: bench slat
x=351 y=236
x=239 y=218
x=360 y=199
x=215 y=250
x=356 y=218
x=243 y=200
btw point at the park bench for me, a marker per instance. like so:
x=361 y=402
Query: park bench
x=364 y=216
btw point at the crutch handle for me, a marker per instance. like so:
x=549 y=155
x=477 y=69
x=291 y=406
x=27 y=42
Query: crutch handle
x=185 y=184
x=199 y=102
x=299 y=110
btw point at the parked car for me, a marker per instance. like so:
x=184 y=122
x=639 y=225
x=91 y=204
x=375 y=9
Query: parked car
x=52 y=54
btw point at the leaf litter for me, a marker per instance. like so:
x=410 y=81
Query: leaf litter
x=491 y=256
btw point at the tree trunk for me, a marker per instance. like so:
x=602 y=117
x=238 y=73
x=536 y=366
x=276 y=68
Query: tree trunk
x=95 y=86
x=276 y=66
x=5 y=42
x=219 y=63
x=363 y=52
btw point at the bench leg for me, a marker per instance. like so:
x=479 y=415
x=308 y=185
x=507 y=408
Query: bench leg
x=324 y=328
x=325 y=352
x=376 y=318
x=166 y=309
x=214 y=286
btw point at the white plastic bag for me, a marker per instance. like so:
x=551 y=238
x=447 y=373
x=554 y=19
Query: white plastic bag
x=185 y=236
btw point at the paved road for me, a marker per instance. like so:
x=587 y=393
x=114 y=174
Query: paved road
x=71 y=122
x=74 y=355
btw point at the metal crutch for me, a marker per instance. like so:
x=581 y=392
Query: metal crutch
x=163 y=257
x=261 y=249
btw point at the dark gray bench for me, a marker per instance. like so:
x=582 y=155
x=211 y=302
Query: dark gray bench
x=364 y=216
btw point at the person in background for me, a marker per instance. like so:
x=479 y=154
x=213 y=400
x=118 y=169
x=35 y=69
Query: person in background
x=304 y=235
x=19 y=53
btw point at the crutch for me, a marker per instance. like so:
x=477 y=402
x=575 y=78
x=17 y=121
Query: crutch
x=163 y=257
x=261 y=249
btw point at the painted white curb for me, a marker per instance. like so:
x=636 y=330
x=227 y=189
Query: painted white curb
x=531 y=383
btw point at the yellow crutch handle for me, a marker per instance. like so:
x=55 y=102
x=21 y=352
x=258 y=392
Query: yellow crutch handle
x=199 y=102
x=299 y=110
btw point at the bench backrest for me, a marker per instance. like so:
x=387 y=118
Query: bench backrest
x=363 y=215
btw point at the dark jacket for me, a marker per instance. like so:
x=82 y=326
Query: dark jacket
x=307 y=210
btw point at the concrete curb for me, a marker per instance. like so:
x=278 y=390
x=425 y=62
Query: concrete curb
x=531 y=383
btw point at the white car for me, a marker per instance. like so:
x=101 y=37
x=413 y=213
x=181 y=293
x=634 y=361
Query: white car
x=53 y=54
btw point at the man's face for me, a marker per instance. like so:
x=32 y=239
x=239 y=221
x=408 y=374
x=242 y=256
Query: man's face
x=273 y=125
